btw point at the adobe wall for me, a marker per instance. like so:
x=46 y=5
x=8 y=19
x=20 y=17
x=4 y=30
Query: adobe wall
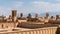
x=7 y=25
x=47 y=30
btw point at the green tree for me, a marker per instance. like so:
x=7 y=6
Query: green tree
x=29 y=15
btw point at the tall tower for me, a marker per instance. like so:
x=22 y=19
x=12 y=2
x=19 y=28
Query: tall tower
x=21 y=15
x=36 y=15
x=47 y=15
x=14 y=12
x=57 y=16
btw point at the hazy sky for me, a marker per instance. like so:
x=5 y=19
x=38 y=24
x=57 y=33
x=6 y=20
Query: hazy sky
x=29 y=6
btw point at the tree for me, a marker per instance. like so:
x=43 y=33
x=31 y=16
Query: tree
x=52 y=17
x=29 y=15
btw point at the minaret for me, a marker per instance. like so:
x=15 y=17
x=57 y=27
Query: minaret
x=14 y=15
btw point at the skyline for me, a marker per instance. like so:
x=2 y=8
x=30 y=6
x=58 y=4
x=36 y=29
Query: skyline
x=29 y=6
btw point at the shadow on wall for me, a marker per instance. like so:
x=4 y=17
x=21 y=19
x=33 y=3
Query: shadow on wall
x=58 y=31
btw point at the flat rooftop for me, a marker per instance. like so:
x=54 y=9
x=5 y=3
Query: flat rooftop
x=37 y=25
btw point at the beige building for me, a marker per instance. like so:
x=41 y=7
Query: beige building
x=43 y=30
x=7 y=25
x=22 y=20
x=31 y=25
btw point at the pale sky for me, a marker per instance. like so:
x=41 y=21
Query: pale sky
x=29 y=6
